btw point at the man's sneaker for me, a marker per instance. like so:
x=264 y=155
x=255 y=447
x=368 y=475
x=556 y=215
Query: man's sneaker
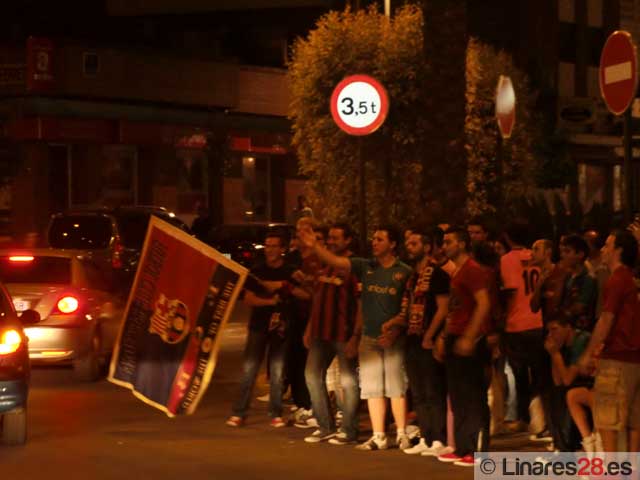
x=417 y=449
x=403 y=442
x=374 y=443
x=413 y=431
x=543 y=436
x=449 y=457
x=436 y=449
x=466 y=461
x=342 y=439
x=277 y=422
x=305 y=419
x=234 y=421
x=318 y=436
x=263 y=398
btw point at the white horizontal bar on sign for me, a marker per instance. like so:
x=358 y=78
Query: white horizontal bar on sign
x=617 y=73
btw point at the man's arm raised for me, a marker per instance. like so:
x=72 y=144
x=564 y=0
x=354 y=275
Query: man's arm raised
x=308 y=239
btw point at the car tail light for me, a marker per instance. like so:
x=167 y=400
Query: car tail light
x=116 y=257
x=10 y=341
x=21 y=258
x=246 y=255
x=67 y=304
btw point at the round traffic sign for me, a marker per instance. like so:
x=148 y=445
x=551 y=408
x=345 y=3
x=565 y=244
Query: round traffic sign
x=618 y=72
x=359 y=105
x=505 y=106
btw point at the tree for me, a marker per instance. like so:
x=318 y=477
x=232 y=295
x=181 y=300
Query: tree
x=520 y=163
x=390 y=50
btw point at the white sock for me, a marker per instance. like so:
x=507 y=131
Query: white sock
x=380 y=435
x=401 y=432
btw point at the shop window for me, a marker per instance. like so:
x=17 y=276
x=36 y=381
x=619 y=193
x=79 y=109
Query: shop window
x=592 y=185
x=103 y=175
x=256 y=176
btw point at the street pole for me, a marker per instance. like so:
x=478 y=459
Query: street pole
x=626 y=167
x=362 y=203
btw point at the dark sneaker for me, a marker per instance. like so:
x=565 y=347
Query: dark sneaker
x=342 y=439
x=318 y=436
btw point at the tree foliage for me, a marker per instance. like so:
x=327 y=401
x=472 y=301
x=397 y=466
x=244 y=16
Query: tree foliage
x=417 y=157
x=520 y=164
x=364 y=42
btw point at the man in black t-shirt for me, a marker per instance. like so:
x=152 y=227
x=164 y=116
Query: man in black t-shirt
x=268 y=286
x=424 y=309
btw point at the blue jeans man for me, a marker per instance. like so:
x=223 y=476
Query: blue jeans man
x=321 y=354
x=254 y=352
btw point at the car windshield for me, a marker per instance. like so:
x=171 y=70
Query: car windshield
x=29 y=269
x=82 y=232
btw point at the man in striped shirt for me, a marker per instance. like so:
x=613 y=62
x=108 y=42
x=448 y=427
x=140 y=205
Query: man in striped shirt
x=330 y=333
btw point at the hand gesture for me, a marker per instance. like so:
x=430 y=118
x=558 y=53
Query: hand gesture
x=551 y=346
x=427 y=342
x=306 y=236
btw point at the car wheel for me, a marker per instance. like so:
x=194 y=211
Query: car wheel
x=14 y=427
x=87 y=367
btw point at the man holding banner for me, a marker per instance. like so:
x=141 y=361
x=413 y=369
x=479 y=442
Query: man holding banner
x=267 y=292
x=181 y=299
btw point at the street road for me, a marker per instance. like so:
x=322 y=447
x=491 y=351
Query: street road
x=100 y=431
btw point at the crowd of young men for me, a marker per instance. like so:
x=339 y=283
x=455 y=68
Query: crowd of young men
x=443 y=329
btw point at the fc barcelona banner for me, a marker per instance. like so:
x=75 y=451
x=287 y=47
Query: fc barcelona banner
x=181 y=299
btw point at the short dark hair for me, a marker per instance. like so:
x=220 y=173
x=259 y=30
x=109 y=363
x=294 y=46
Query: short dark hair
x=461 y=234
x=629 y=245
x=437 y=235
x=347 y=231
x=576 y=243
x=424 y=233
x=277 y=234
x=485 y=254
x=518 y=233
x=393 y=233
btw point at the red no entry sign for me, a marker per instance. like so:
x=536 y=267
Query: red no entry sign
x=505 y=106
x=359 y=105
x=618 y=72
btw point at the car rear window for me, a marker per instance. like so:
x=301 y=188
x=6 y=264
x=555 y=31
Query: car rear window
x=132 y=227
x=28 y=269
x=83 y=232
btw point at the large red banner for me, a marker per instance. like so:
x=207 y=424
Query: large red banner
x=181 y=299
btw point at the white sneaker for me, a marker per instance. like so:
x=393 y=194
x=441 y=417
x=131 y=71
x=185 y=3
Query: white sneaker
x=374 y=443
x=318 y=436
x=436 y=449
x=417 y=449
x=263 y=398
x=589 y=443
x=598 y=446
x=342 y=439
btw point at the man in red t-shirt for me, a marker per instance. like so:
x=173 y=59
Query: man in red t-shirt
x=617 y=388
x=466 y=353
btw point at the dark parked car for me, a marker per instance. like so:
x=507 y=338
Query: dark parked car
x=244 y=242
x=112 y=238
x=14 y=370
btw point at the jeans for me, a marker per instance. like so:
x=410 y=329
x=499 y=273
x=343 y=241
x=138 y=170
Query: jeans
x=428 y=383
x=531 y=368
x=257 y=343
x=467 y=385
x=321 y=354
